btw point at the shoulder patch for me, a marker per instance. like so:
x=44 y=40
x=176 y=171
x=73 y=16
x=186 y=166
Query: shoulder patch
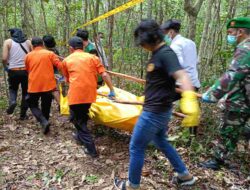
x=150 y=67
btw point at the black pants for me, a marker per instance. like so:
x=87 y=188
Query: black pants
x=42 y=115
x=79 y=113
x=15 y=78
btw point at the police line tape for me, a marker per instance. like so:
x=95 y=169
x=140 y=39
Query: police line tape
x=108 y=14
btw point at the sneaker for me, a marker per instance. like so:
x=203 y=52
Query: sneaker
x=122 y=185
x=185 y=180
x=11 y=108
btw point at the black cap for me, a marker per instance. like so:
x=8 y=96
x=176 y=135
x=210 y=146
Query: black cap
x=76 y=42
x=171 y=24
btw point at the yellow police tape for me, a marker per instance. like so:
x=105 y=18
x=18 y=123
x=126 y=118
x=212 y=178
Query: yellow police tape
x=108 y=14
x=108 y=113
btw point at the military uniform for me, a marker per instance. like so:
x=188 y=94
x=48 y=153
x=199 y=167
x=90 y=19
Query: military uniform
x=234 y=86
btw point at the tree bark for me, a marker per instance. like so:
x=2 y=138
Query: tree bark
x=192 y=12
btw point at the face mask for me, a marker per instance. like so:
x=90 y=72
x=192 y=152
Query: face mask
x=231 y=39
x=167 y=39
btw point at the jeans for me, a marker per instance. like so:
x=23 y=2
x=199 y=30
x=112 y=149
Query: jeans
x=16 y=78
x=151 y=127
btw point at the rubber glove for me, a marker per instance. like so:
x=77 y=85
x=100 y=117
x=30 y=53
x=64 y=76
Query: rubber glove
x=111 y=94
x=190 y=107
x=206 y=99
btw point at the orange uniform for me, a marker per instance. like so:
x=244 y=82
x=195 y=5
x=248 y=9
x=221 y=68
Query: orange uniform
x=80 y=70
x=39 y=64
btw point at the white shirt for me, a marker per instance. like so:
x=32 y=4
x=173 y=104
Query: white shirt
x=185 y=50
x=17 y=55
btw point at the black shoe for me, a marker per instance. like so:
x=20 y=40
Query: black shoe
x=46 y=128
x=76 y=138
x=23 y=117
x=90 y=150
x=11 y=108
x=212 y=164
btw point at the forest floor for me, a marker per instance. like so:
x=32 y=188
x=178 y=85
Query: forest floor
x=31 y=160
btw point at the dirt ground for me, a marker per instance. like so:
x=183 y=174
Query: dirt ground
x=30 y=160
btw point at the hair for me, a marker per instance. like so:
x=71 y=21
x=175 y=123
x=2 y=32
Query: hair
x=148 y=32
x=36 y=41
x=172 y=24
x=84 y=34
x=49 y=41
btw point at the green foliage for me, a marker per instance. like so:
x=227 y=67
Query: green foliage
x=91 y=179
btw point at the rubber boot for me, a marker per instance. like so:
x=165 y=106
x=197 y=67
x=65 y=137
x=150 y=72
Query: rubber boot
x=41 y=119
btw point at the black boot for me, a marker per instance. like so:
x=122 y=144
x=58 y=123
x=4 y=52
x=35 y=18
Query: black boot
x=89 y=148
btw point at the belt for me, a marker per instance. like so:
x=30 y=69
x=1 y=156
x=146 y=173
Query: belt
x=18 y=69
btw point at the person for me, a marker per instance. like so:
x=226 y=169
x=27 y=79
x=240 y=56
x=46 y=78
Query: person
x=14 y=51
x=234 y=86
x=87 y=44
x=80 y=70
x=41 y=81
x=185 y=50
x=99 y=46
x=163 y=69
x=50 y=44
x=99 y=77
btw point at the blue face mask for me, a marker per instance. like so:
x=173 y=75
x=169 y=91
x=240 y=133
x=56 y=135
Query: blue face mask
x=231 y=39
x=167 y=39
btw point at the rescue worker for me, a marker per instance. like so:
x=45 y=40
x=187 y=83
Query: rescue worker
x=80 y=70
x=41 y=81
x=234 y=86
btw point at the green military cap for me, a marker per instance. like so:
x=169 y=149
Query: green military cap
x=241 y=22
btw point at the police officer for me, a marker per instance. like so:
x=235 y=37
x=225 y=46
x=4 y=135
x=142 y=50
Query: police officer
x=234 y=86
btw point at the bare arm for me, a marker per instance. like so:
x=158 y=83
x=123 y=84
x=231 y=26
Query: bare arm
x=29 y=45
x=107 y=79
x=5 y=54
x=182 y=77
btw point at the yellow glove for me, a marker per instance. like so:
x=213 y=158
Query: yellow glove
x=190 y=107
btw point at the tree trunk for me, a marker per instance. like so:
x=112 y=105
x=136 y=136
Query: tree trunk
x=44 y=17
x=192 y=12
x=204 y=38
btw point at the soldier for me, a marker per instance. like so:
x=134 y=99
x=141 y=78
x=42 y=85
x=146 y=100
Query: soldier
x=234 y=85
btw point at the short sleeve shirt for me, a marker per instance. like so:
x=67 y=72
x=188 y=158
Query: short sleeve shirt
x=89 y=47
x=80 y=70
x=39 y=65
x=160 y=85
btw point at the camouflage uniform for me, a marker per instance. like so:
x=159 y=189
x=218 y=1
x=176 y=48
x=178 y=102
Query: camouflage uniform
x=235 y=84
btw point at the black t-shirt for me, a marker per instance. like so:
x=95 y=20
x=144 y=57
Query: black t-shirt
x=160 y=85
